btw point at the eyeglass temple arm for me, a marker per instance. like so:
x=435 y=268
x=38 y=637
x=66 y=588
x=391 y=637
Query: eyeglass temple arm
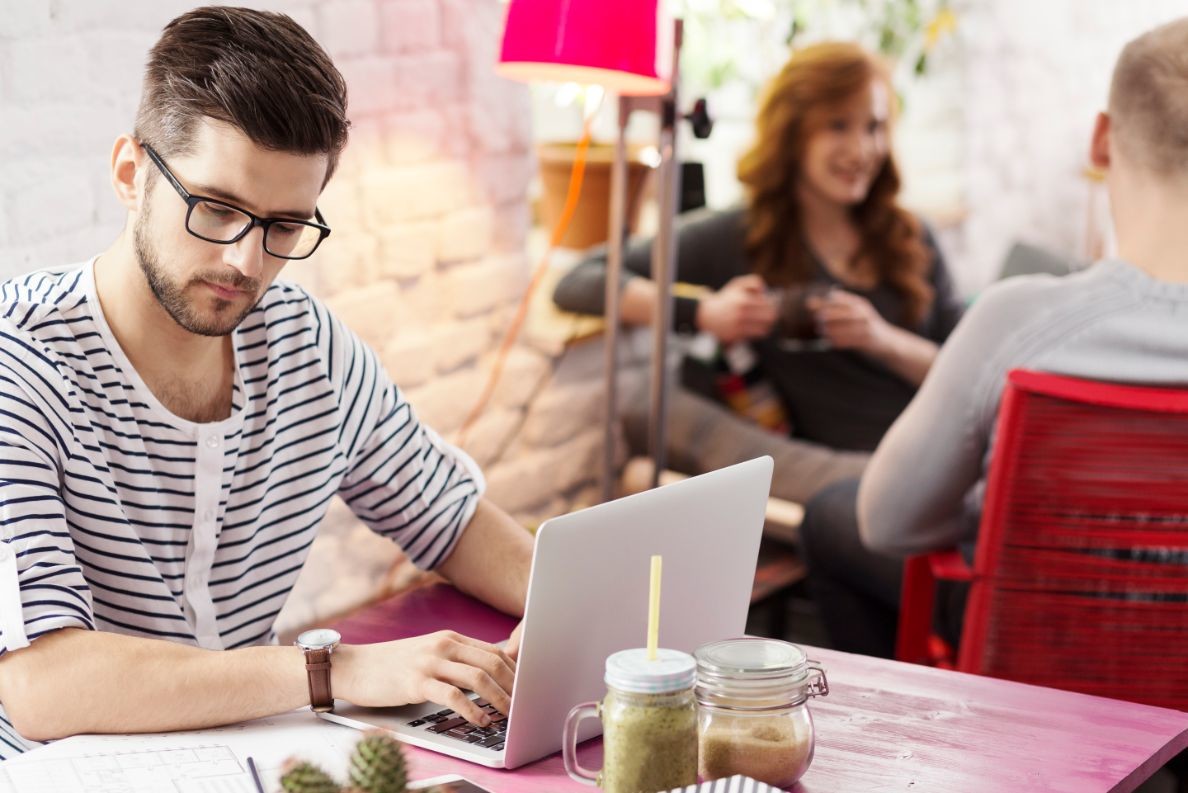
x=183 y=192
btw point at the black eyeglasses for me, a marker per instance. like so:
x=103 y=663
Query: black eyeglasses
x=217 y=221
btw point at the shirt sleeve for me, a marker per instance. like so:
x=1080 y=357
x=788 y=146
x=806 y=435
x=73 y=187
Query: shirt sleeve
x=42 y=588
x=710 y=251
x=403 y=480
x=913 y=493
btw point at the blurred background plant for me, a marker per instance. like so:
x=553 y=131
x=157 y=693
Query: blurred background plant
x=746 y=41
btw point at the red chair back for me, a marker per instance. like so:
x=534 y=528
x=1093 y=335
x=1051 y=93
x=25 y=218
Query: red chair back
x=1081 y=572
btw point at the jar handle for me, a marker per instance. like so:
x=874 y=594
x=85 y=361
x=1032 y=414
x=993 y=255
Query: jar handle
x=818 y=684
x=585 y=710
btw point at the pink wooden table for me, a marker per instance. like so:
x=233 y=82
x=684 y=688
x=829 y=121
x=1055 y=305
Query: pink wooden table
x=885 y=726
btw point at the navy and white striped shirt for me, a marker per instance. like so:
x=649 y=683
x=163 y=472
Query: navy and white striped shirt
x=117 y=515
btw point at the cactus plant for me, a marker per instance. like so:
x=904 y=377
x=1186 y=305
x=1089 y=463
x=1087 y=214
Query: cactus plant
x=303 y=777
x=378 y=766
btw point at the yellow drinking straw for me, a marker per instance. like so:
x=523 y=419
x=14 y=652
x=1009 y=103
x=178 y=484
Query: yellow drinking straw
x=654 y=610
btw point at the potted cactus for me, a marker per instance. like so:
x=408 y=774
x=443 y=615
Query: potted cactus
x=377 y=766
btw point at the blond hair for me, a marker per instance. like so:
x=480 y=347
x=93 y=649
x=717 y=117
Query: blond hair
x=1149 y=100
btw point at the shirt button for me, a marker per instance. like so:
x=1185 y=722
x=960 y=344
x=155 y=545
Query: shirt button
x=212 y=441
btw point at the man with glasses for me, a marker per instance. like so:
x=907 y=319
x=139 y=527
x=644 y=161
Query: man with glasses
x=175 y=422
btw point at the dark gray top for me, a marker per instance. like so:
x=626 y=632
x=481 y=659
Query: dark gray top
x=840 y=398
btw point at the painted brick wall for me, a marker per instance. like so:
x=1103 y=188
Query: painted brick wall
x=429 y=212
x=1035 y=75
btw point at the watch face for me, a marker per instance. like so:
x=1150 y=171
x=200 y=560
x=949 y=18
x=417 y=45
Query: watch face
x=318 y=638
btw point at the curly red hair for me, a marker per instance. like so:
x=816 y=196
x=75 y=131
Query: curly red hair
x=794 y=106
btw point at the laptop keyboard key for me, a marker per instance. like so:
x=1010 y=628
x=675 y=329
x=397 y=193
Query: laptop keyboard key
x=491 y=742
x=416 y=722
x=448 y=725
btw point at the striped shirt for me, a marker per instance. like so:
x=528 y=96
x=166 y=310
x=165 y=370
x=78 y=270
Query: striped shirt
x=117 y=515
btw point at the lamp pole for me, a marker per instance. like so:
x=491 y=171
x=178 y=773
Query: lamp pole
x=663 y=274
x=614 y=269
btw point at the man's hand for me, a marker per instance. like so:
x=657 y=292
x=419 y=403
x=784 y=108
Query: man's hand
x=513 y=642
x=738 y=311
x=434 y=668
x=849 y=322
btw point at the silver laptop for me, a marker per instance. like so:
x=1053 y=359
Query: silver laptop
x=588 y=598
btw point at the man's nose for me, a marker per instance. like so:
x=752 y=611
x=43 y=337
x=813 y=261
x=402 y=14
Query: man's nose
x=247 y=254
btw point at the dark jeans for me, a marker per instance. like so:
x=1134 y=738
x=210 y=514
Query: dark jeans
x=856 y=590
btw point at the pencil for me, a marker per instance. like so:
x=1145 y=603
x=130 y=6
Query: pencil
x=255 y=775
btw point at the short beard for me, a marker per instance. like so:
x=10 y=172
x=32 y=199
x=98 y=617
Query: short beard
x=172 y=297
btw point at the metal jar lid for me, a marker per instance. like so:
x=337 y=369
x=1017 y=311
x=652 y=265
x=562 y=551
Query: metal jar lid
x=756 y=674
x=630 y=670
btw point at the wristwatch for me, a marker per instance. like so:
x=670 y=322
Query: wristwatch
x=318 y=645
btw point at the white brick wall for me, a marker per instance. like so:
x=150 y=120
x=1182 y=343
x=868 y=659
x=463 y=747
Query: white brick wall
x=428 y=207
x=1035 y=76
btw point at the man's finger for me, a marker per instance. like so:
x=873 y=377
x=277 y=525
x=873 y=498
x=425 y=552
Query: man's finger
x=497 y=666
x=475 y=679
x=512 y=648
x=459 y=638
x=450 y=696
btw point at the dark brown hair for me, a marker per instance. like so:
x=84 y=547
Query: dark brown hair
x=1149 y=99
x=796 y=105
x=259 y=71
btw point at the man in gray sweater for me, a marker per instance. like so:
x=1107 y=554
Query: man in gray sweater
x=1123 y=320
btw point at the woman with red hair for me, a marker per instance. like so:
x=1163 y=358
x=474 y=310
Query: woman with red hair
x=821 y=209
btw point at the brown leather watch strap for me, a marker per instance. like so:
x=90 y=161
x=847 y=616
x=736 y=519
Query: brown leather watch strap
x=317 y=667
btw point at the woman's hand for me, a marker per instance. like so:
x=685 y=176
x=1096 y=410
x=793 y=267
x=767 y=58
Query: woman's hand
x=849 y=322
x=738 y=311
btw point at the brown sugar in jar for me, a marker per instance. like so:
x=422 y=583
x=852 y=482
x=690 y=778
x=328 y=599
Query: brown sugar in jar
x=753 y=715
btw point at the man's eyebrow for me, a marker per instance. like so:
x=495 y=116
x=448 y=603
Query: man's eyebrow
x=223 y=195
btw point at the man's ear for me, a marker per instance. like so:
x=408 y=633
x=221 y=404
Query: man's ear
x=127 y=159
x=1099 y=148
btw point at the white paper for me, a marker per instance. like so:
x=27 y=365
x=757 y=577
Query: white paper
x=204 y=769
x=203 y=761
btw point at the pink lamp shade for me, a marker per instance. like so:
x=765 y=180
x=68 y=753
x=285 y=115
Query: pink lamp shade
x=623 y=45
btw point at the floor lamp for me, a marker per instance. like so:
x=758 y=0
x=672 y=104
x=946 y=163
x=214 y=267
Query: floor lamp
x=631 y=48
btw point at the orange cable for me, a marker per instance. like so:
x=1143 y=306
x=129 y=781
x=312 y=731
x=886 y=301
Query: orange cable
x=571 y=199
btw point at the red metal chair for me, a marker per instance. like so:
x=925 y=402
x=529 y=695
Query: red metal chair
x=1080 y=579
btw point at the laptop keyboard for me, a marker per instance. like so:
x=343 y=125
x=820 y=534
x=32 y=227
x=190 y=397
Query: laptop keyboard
x=451 y=725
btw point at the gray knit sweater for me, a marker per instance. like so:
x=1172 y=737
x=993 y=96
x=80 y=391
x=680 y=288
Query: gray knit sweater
x=923 y=488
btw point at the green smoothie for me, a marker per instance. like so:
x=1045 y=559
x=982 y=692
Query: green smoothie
x=649 y=741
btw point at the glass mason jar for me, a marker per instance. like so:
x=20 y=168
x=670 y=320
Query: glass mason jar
x=753 y=709
x=649 y=724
